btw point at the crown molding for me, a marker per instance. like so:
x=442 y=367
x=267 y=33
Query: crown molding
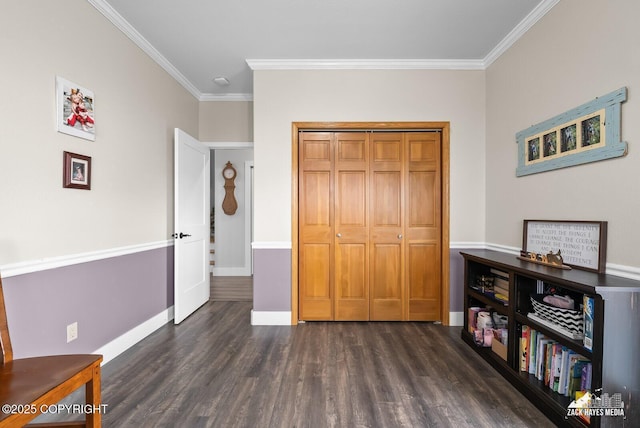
x=232 y=145
x=110 y=13
x=365 y=64
x=519 y=30
x=226 y=97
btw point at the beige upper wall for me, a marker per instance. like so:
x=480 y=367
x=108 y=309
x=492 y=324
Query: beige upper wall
x=580 y=50
x=137 y=106
x=284 y=97
x=229 y=121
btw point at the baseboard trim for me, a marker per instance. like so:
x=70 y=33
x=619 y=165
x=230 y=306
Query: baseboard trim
x=456 y=319
x=623 y=271
x=270 y=317
x=120 y=344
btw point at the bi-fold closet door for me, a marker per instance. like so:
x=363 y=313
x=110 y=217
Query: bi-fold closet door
x=369 y=226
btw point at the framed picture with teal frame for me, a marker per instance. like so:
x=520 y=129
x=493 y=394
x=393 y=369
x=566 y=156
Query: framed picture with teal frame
x=588 y=133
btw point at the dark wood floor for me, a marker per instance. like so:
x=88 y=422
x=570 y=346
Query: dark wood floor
x=216 y=370
x=232 y=288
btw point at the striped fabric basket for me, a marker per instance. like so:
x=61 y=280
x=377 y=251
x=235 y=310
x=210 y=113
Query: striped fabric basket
x=568 y=319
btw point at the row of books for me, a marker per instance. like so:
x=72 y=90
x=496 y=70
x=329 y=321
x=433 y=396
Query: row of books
x=500 y=285
x=561 y=369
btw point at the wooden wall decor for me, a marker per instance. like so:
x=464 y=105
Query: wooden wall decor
x=588 y=133
x=229 y=204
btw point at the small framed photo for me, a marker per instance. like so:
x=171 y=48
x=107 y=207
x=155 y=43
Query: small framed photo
x=75 y=108
x=568 y=137
x=534 y=149
x=591 y=131
x=76 y=171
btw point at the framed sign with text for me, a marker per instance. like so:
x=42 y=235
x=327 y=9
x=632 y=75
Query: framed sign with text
x=582 y=244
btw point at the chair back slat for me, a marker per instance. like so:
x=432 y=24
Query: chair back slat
x=5 y=341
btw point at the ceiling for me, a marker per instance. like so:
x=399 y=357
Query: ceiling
x=198 y=40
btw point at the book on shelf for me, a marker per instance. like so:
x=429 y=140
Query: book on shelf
x=588 y=311
x=524 y=349
x=575 y=383
x=533 y=342
x=585 y=384
x=556 y=367
x=542 y=358
x=500 y=274
x=564 y=369
x=548 y=363
x=574 y=378
x=500 y=282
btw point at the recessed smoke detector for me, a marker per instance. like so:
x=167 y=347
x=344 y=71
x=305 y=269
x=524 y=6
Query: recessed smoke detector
x=221 y=81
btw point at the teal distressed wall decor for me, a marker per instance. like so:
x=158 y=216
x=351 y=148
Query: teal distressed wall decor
x=588 y=133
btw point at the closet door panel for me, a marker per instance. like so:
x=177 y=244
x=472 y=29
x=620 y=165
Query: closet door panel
x=423 y=231
x=386 y=231
x=351 y=239
x=351 y=244
x=315 y=217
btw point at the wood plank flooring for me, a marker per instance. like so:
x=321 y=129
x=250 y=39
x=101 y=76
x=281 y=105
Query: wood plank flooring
x=216 y=370
x=232 y=288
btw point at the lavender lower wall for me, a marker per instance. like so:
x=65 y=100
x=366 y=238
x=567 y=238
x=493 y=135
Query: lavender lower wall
x=107 y=298
x=272 y=279
x=456 y=281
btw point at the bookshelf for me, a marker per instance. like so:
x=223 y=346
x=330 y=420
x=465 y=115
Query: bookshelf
x=615 y=343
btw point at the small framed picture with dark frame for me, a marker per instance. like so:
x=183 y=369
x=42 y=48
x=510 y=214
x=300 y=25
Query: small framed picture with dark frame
x=533 y=149
x=591 y=131
x=568 y=138
x=76 y=171
x=550 y=144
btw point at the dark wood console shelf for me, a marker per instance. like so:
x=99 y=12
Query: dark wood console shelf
x=616 y=342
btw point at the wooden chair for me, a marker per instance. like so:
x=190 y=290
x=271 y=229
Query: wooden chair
x=29 y=385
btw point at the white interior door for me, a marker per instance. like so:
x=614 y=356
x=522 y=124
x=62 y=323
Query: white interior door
x=191 y=225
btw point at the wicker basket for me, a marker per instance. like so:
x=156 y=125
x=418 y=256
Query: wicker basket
x=568 y=319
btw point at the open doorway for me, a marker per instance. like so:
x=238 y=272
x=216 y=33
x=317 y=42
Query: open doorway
x=231 y=215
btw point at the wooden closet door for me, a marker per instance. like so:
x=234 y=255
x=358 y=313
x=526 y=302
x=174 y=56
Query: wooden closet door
x=369 y=226
x=351 y=227
x=423 y=230
x=316 y=219
x=386 y=212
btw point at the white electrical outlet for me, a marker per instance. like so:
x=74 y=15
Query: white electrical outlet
x=72 y=332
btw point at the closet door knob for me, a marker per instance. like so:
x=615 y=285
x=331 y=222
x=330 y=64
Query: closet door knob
x=400 y=236
x=339 y=235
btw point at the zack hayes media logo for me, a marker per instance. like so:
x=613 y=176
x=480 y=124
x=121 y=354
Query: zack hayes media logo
x=592 y=405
